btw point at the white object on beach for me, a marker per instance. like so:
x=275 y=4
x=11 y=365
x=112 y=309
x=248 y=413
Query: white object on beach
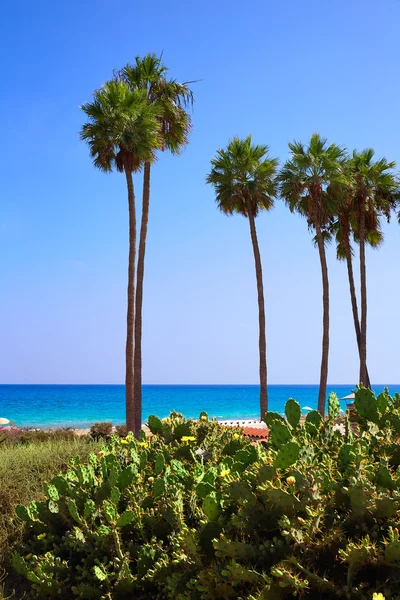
x=4 y=422
x=307 y=408
x=349 y=397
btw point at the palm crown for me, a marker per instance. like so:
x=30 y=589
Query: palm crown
x=243 y=176
x=308 y=176
x=170 y=97
x=122 y=129
x=374 y=188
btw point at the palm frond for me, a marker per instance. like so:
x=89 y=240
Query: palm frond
x=311 y=180
x=173 y=98
x=243 y=176
x=122 y=130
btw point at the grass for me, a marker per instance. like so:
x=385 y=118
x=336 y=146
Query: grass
x=24 y=468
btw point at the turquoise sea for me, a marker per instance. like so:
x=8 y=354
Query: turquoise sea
x=82 y=405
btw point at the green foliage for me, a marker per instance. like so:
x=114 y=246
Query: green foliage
x=24 y=468
x=292 y=412
x=155 y=424
x=314 y=514
x=333 y=406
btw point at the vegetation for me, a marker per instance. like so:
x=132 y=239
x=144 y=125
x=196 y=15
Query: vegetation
x=101 y=431
x=170 y=98
x=198 y=512
x=123 y=132
x=373 y=195
x=142 y=111
x=243 y=176
x=26 y=462
x=306 y=180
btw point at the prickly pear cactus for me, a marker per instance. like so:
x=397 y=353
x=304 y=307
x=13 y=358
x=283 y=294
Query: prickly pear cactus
x=155 y=424
x=211 y=507
x=333 y=406
x=293 y=412
x=287 y=455
x=314 y=418
x=279 y=434
x=314 y=512
x=366 y=405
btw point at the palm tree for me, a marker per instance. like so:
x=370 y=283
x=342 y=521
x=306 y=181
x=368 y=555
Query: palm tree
x=243 y=176
x=123 y=132
x=304 y=183
x=342 y=229
x=170 y=99
x=373 y=195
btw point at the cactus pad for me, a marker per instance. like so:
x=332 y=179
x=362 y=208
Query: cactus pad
x=333 y=406
x=287 y=455
x=314 y=418
x=155 y=424
x=366 y=405
x=292 y=412
x=279 y=434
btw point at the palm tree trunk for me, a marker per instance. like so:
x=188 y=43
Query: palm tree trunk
x=353 y=297
x=131 y=424
x=261 y=316
x=363 y=281
x=139 y=297
x=325 y=336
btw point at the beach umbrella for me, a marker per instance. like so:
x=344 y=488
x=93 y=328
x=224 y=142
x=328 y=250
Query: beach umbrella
x=349 y=397
x=4 y=422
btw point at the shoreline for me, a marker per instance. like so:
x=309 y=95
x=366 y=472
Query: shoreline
x=80 y=431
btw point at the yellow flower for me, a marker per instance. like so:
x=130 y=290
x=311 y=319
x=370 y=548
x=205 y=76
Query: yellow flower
x=224 y=472
x=101 y=453
x=236 y=436
x=151 y=480
x=143 y=444
x=188 y=438
x=41 y=536
x=124 y=442
x=204 y=418
x=379 y=596
x=291 y=480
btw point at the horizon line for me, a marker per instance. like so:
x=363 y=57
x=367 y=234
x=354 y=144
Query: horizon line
x=199 y=384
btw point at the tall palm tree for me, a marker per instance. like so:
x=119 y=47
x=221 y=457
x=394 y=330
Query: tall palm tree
x=342 y=228
x=170 y=99
x=243 y=176
x=373 y=196
x=123 y=132
x=304 y=183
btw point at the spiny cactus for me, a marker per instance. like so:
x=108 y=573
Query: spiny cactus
x=366 y=405
x=279 y=434
x=333 y=406
x=313 y=511
x=287 y=455
x=292 y=412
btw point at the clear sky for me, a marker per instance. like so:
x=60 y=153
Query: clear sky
x=278 y=70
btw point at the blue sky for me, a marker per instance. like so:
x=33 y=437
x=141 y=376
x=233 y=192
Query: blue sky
x=278 y=70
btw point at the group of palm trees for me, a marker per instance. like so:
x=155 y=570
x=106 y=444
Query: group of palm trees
x=136 y=114
x=142 y=111
x=341 y=196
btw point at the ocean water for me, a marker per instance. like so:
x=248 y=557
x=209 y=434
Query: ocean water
x=82 y=405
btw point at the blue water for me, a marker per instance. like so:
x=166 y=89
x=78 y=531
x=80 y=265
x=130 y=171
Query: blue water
x=82 y=405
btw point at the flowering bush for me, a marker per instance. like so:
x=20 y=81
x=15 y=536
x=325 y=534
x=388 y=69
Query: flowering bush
x=197 y=512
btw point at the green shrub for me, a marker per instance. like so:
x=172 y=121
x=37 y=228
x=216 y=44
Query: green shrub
x=314 y=515
x=101 y=431
x=23 y=471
